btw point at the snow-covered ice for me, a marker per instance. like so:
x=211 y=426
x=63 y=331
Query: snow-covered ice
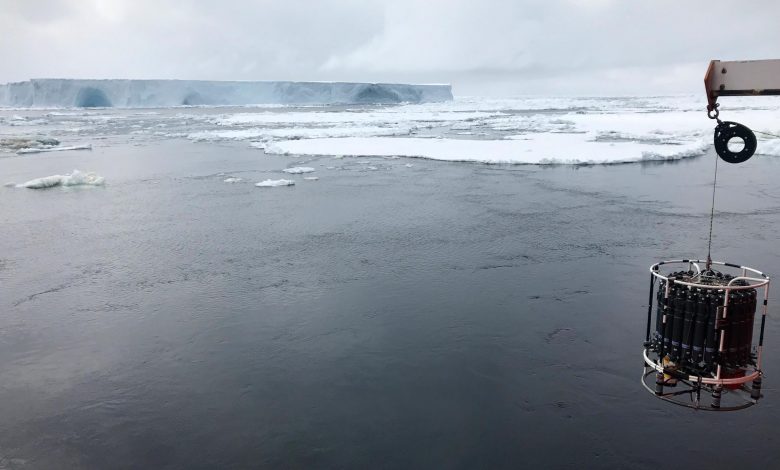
x=386 y=116
x=297 y=170
x=76 y=178
x=232 y=179
x=551 y=149
x=274 y=183
x=536 y=130
x=296 y=133
x=311 y=178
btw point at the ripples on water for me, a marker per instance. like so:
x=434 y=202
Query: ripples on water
x=438 y=315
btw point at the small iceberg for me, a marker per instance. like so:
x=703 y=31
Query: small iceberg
x=297 y=170
x=311 y=178
x=77 y=178
x=274 y=183
x=232 y=180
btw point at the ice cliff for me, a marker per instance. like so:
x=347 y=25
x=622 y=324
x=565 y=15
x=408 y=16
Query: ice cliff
x=44 y=93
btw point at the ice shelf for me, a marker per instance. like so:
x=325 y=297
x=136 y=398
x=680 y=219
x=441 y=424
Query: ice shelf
x=66 y=93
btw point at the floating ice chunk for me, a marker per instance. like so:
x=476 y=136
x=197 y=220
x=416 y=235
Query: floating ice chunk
x=53 y=149
x=311 y=178
x=77 y=178
x=45 y=182
x=22 y=143
x=274 y=183
x=232 y=180
x=297 y=170
x=409 y=165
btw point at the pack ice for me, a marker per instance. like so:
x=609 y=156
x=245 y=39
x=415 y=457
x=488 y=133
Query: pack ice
x=50 y=92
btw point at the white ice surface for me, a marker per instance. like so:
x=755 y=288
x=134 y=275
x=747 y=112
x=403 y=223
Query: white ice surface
x=297 y=170
x=274 y=183
x=769 y=147
x=76 y=178
x=296 y=133
x=549 y=149
x=579 y=131
x=232 y=180
x=388 y=116
x=520 y=130
x=311 y=178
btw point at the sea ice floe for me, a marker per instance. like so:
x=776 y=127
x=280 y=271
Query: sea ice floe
x=297 y=170
x=76 y=178
x=23 y=121
x=274 y=183
x=769 y=147
x=541 y=150
x=18 y=143
x=265 y=134
x=53 y=149
x=311 y=178
x=322 y=118
x=232 y=180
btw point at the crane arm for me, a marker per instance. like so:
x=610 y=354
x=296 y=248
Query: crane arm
x=741 y=78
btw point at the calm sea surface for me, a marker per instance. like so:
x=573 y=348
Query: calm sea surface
x=443 y=315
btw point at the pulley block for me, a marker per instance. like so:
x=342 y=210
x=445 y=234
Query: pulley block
x=725 y=132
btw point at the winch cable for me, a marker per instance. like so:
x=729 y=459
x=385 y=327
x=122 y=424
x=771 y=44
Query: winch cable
x=767 y=134
x=738 y=131
x=712 y=215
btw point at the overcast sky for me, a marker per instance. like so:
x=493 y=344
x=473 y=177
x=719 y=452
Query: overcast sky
x=487 y=47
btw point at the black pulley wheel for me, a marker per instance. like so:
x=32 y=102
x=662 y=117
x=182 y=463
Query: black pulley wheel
x=726 y=131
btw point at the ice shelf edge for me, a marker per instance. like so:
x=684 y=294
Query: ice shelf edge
x=121 y=93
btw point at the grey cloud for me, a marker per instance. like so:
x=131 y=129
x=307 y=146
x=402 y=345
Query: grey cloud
x=491 y=46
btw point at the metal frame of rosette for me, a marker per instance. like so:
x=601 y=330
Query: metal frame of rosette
x=682 y=380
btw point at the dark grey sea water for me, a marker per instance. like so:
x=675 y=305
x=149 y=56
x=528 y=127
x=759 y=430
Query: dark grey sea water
x=446 y=315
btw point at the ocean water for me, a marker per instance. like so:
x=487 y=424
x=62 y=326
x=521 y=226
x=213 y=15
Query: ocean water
x=398 y=312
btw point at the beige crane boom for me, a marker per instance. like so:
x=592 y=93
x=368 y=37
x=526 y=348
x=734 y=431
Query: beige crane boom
x=741 y=78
